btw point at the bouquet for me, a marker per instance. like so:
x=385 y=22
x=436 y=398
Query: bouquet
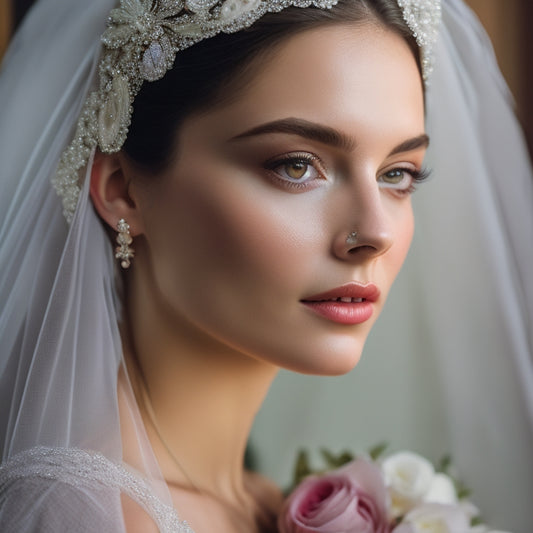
x=400 y=493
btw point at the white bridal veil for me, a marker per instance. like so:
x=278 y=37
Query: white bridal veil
x=60 y=346
x=461 y=311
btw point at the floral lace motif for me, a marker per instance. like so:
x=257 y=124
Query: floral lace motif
x=84 y=469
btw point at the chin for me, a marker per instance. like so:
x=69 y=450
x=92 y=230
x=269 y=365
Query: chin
x=337 y=366
x=336 y=359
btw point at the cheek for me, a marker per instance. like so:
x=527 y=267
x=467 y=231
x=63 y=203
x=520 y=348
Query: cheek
x=228 y=230
x=406 y=236
x=403 y=235
x=235 y=260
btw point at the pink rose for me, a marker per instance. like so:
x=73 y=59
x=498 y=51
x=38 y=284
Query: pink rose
x=352 y=499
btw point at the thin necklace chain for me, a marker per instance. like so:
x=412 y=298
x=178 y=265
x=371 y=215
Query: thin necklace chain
x=151 y=415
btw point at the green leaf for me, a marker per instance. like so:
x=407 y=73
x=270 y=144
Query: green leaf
x=377 y=451
x=397 y=521
x=476 y=521
x=444 y=464
x=335 y=461
x=344 y=458
x=462 y=491
x=328 y=457
x=302 y=467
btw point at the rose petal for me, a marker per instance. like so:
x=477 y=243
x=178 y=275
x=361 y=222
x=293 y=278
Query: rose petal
x=351 y=499
x=441 y=490
x=409 y=477
x=368 y=475
x=434 y=518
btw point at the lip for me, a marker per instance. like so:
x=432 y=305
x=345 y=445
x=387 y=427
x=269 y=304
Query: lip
x=366 y=291
x=348 y=304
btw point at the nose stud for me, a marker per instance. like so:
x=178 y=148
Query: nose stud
x=351 y=239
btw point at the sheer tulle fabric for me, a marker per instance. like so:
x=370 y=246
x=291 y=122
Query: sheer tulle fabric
x=60 y=345
x=62 y=381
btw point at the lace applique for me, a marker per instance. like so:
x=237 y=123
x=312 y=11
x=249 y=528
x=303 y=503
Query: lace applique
x=81 y=468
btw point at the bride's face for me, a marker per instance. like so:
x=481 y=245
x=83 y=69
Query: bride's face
x=248 y=229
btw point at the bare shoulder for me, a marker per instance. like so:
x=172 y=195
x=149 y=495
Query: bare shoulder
x=264 y=490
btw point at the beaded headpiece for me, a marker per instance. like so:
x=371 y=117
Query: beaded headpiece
x=141 y=43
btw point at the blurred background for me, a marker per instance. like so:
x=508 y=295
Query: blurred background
x=507 y=22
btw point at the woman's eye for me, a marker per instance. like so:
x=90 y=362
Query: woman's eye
x=399 y=179
x=296 y=170
x=299 y=169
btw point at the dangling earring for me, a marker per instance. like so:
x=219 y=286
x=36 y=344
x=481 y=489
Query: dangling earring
x=123 y=251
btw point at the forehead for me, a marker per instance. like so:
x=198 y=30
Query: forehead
x=343 y=75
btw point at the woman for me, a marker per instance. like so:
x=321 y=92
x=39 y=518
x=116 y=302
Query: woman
x=448 y=368
x=254 y=196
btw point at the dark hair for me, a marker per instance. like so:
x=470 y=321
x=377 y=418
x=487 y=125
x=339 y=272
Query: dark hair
x=212 y=71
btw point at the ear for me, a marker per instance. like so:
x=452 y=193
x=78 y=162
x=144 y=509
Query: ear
x=110 y=194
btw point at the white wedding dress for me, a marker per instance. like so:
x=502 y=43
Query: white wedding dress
x=77 y=490
x=61 y=355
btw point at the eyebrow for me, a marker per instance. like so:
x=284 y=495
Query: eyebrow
x=422 y=141
x=303 y=128
x=325 y=135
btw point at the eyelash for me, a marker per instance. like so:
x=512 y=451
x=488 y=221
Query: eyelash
x=307 y=159
x=418 y=177
x=311 y=160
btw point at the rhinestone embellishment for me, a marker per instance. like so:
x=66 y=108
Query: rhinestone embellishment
x=124 y=239
x=352 y=238
x=423 y=18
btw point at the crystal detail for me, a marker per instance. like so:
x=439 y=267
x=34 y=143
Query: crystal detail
x=156 y=59
x=124 y=239
x=141 y=42
x=90 y=470
x=352 y=238
x=233 y=9
x=423 y=18
x=197 y=6
x=114 y=114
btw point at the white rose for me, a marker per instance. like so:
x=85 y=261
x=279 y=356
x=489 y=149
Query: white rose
x=469 y=509
x=483 y=529
x=441 y=490
x=434 y=518
x=480 y=528
x=409 y=477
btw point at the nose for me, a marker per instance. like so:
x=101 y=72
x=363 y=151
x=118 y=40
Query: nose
x=366 y=230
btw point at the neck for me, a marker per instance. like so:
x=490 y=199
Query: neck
x=197 y=396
